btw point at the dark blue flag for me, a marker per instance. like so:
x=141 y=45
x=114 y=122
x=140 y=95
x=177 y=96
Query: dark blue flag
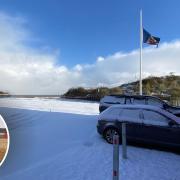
x=149 y=39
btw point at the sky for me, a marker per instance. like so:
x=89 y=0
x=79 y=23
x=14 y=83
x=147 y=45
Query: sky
x=49 y=46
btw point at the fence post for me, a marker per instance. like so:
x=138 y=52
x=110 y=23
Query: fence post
x=115 y=157
x=124 y=147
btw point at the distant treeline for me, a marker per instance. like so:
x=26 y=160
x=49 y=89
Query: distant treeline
x=2 y=93
x=169 y=85
x=165 y=86
x=91 y=93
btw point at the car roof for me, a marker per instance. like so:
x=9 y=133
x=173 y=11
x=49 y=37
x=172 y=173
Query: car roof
x=146 y=107
x=137 y=106
x=132 y=96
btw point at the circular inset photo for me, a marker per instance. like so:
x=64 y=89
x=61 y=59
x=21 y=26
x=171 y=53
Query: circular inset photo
x=4 y=140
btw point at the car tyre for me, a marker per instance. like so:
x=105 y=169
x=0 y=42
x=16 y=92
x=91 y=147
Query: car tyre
x=109 y=133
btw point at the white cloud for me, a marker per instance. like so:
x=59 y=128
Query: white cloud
x=100 y=58
x=26 y=70
x=78 y=67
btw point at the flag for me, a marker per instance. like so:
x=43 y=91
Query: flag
x=149 y=39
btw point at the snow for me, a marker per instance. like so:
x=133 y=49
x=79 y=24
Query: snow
x=139 y=101
x=131 y=113
x=155 y=102
x=65 y=145
x=55 y=105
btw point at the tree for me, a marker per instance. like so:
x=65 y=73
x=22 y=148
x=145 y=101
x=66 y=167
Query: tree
x=115 y=90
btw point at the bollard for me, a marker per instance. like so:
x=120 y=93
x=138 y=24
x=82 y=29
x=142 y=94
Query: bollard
x=124 y=146
x=115 y=157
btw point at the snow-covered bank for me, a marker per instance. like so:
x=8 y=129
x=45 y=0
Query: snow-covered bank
x=65 y=145
x=54 y=104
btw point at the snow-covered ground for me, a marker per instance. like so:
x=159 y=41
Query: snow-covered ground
x=60 y=142
x=54 y=105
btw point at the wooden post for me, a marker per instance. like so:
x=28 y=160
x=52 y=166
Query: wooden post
x=124 y=147
x=115 y=157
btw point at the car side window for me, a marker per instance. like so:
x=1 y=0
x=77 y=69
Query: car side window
x=113 y=99
x=115 y=112
x=139 y=101
x=154 y=118
x=120 y=100
x=132 y=115
x=111 y=113
x=128 y=100
x=155 y=102
x=109 y=99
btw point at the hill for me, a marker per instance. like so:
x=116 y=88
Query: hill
x=166 y=87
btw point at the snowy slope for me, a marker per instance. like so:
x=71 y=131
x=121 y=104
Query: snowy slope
x=65 y=145
x=55 y=105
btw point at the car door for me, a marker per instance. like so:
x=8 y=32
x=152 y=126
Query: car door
x=133 y=121
x=156 y=129
x=155 y=102
x=128 y=100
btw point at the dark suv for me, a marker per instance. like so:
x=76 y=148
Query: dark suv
x=110 y=100
x=145 y=124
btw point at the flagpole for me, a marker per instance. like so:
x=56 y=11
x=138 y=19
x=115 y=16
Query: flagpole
x=141 y=41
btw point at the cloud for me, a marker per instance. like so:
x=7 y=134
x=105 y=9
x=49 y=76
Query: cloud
x=28 y=70
x=100 y=58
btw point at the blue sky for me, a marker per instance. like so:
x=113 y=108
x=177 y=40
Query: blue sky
x=49 y=46
x=84 y=29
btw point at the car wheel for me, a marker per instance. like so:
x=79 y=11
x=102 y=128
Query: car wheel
x=109 y=133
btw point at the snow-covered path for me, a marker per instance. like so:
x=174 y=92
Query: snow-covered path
x=65 y=145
